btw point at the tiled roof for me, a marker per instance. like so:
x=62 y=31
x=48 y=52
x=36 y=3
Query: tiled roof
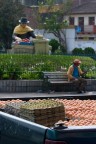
x=32 y=14
x=87 y=8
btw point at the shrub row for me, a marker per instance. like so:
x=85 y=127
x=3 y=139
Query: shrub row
x=86 y=51
x=27 y=66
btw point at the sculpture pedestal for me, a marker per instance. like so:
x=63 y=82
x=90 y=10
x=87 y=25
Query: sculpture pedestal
x=23 y=48
x=38 y=46
x=41 y=46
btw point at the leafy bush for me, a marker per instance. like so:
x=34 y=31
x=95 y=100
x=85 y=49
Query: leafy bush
x=77 y=51
x=1 y=70
x=89 y=50
x=13 y=70
x=5 y=76
x=27 y=66
x=63 y=49
x=45 y=66
x=58 y=52
x=55 y=44
x=30 y=75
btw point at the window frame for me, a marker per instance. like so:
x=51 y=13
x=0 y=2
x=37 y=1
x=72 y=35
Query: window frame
x=90 y=21
x=71 y=22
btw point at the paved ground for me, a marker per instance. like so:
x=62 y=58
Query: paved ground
x=46 y=95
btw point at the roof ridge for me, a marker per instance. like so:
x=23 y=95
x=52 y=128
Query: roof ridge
x=85 y=3
x=82 y=4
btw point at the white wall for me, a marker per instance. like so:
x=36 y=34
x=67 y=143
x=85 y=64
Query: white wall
x=46 y=35
x=70 y=40
x=84 y=44
x=70 y=35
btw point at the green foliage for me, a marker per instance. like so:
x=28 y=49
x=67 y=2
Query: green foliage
x=57 y=48
x=11 y=69
x=89 y=50
x=91 y=75
x=77 y=51
x=24 y=66
x=5 y=76
x=30 y=75
x=1 y=70
x=55 y=44
x=58 y=52
x=55 y=18
x=63 y=49
x=10 y=12
x=45 y=66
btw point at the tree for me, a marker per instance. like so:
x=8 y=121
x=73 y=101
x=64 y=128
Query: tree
x=10 y=12
x=53 y=18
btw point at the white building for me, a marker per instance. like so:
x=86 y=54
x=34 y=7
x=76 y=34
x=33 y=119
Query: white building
x=83 y=18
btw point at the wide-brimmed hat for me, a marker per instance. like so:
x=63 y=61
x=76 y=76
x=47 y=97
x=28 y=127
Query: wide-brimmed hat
x=23 y=20
x=77 y=61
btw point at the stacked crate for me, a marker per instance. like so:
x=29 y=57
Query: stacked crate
x=44 y=112
x=13 y=108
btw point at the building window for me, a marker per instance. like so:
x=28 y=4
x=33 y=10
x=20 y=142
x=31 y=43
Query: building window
x=91 y=20
x=81 y=23
x=71 y=20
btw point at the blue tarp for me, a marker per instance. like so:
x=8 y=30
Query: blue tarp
x=78 y=29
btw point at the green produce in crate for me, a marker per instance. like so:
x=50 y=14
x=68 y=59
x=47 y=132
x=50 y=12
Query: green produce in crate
x=41 y=104
x=46 y=112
